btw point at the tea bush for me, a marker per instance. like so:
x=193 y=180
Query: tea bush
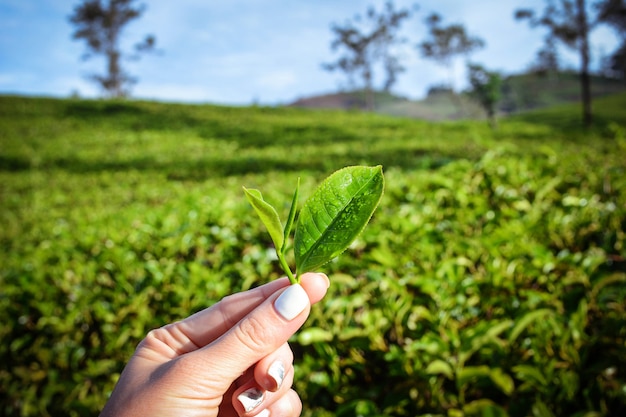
x=489 y=282
x=483 y=289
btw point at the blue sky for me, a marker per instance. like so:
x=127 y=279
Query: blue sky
x=244 y=51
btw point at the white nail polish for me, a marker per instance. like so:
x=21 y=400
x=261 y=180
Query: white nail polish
x=264 y=413
x=277 y=373
x=292 y=302
x=251 y=398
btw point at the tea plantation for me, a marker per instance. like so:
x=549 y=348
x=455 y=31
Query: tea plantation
x=491 y=281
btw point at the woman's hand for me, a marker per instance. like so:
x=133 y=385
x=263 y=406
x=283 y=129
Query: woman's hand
x=228 y=360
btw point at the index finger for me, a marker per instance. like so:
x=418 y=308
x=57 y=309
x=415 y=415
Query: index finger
x=209 y=324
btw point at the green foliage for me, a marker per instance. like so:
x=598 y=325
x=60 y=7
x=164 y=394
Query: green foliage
x=482 y=290
x=490 y=282
x=280 y=235
x=330 y=220
x=486 y=89
x=336 y=214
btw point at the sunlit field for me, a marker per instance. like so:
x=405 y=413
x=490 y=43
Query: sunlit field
x=491 y=280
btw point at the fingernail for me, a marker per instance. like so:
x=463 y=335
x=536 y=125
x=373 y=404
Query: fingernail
x=326 y=278
x=251 y=398
x=277 y=373
x=292 y=302
x=264 y=413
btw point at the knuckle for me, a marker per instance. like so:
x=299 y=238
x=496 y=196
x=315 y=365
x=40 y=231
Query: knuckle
x=155 y=338
x=254 y=334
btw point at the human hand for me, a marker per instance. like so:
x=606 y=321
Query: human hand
x=231 y=359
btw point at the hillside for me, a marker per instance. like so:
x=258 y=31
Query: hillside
x=533 y=91
x=520 y=93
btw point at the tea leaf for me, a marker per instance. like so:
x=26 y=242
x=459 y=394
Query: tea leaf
x=470 y=373
x=484 y=407
x=291 y=217
x=440 y=367
x=502 y=380
x=268 y=216
x=531 y=375
x=314 y=335
x=335 y=214
x=526 y=321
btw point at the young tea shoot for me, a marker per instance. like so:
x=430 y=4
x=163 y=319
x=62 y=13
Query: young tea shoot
x=330 y=220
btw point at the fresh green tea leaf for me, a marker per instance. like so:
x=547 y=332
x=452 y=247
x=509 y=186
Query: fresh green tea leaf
x=485 y=408
x=291 y=217
x=314 y=335
x=526 y=320
x=268 y=216
x=502 y=380
x=335 y=214
x=440 y=367
x=469 y=374
x=532 y=376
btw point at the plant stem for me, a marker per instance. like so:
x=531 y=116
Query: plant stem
x=283 y=263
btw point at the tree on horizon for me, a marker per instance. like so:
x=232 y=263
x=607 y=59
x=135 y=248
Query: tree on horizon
x=445 y=43
x=486 y=89
x=368 y=43
x=613 y=13
x=571 y=23
x=100 y=25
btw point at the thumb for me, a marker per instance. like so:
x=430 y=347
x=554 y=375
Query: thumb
x=257 y=335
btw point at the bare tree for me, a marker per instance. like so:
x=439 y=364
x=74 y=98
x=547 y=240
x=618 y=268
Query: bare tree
x=369 y=43
x=614 y=66
x=447 y=42
x=100 y=25
x=547 y=60
x=568 y=22
x=613 y=13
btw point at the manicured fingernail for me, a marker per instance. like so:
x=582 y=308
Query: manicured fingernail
x=251 y=398
x=326 y=278
x=264 y=413
x=277 y=373
x=292 y=302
